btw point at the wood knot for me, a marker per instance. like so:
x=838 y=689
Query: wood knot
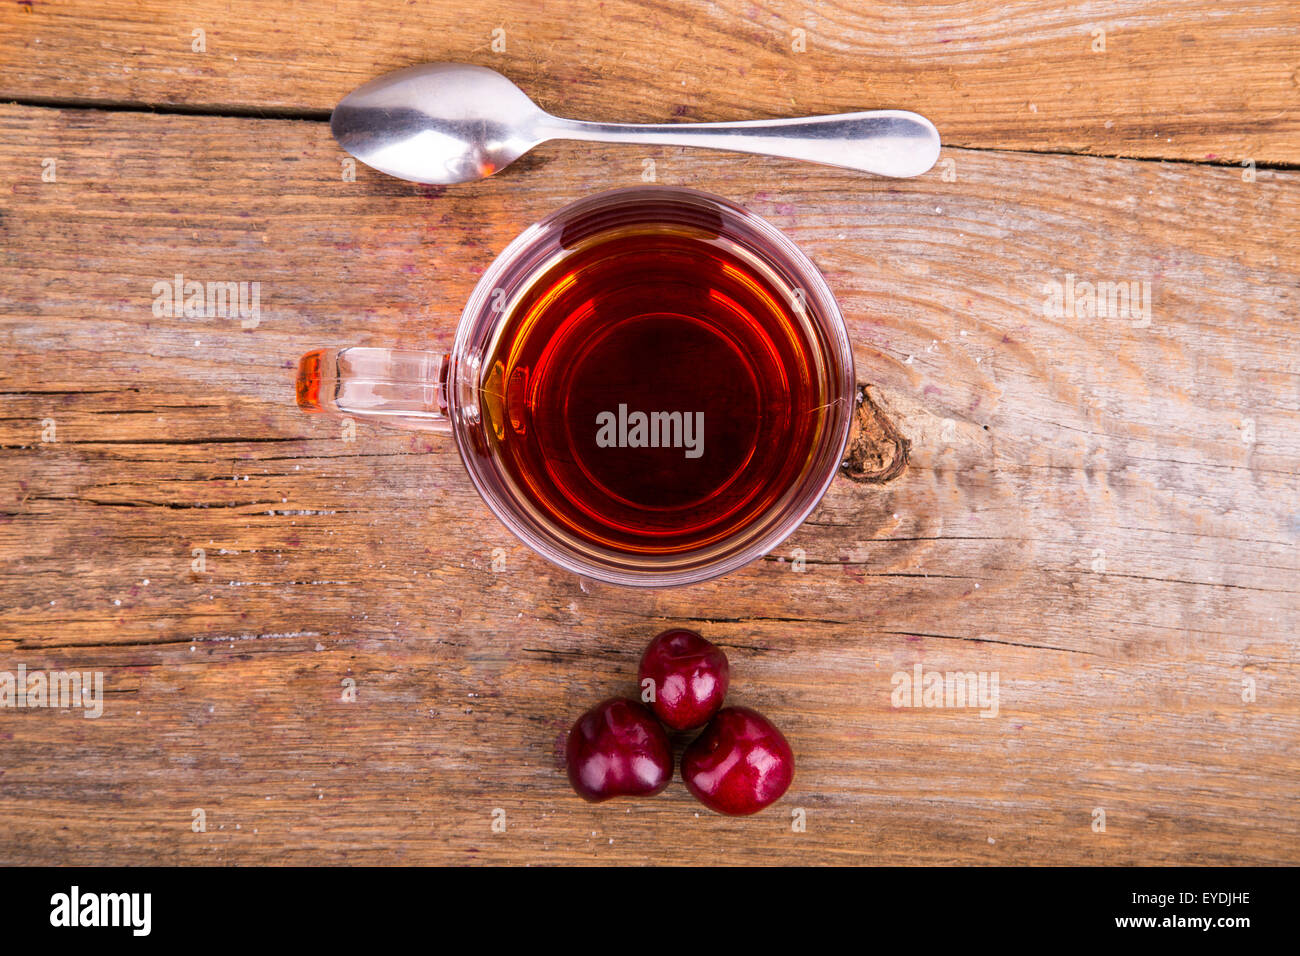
x=877 y=451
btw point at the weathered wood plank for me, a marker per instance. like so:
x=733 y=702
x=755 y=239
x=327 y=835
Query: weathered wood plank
x=1189 y=79
x=1103 y=511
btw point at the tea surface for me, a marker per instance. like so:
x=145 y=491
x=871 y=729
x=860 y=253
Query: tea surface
x=654 y=392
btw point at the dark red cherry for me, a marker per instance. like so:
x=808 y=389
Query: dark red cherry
x=618 y=748
x=740 y=764
x=690 y=678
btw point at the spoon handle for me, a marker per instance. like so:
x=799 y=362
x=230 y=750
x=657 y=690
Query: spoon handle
x=884 y=142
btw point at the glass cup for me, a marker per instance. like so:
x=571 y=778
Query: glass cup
x=649 y=387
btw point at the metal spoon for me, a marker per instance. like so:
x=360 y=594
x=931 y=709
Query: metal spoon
x=444 y=123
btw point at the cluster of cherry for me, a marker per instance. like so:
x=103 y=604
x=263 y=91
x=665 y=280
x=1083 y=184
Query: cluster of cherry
x=739 y=764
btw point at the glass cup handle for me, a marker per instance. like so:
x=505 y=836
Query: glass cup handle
x=404 y=388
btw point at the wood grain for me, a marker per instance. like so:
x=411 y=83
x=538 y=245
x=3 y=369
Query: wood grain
x=1188 y=79
x=1080 y=513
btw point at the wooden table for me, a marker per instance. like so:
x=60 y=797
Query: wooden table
x=1100 y=508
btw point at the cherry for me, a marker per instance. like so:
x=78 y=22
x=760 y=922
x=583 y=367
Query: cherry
x=739 y=764
x=618 y=748
x=690 y=678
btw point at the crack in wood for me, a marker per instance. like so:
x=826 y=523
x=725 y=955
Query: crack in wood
x=175 y=505
x=990 y=640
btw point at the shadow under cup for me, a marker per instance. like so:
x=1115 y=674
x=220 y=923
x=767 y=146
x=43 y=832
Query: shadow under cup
x=649 y=387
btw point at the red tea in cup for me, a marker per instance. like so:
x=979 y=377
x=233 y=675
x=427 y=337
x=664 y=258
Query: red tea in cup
x=651 y=386
x=655 y=391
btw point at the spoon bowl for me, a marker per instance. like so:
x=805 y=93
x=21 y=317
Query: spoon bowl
x=438 y=123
